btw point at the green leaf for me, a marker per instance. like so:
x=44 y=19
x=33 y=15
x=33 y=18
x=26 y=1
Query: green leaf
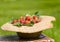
x=17 y=24
x=37 y=14
x=11 y=20
x=31 y=24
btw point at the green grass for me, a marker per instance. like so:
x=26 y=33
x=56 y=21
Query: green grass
x=16 y=8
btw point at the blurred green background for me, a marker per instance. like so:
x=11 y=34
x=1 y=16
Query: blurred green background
x=16 y=8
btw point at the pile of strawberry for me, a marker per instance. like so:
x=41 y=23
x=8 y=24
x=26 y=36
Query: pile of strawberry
x=26 y=20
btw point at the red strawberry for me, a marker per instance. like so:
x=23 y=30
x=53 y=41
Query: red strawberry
x=26 y=22
x=14 y=21
x=34 y=17
x=18 y=20
x=22 y=21
x=36 y=21
x=28 y=18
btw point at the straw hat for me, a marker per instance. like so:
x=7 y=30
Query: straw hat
x=44 y=24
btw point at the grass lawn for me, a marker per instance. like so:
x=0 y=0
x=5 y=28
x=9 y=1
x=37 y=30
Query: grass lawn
x=16 y=8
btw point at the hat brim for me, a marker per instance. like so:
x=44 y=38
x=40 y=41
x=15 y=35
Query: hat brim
x=44 y=24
